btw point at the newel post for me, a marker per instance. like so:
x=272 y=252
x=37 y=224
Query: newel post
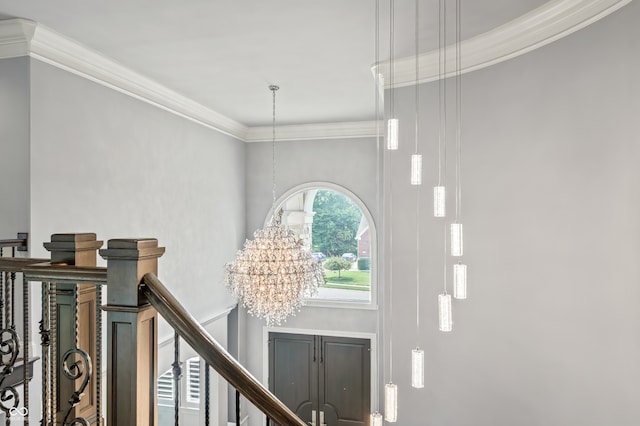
x=132 y=333
x=75 y=325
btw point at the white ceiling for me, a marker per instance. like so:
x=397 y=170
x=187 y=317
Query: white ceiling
x=224 y=54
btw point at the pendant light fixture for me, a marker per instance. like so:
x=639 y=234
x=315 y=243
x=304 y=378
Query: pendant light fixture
x=376 y=419
x=392 y=123
x=445 y=318
x=274 y=273
x=417 y=354
x=391 y=402
x=457 y=246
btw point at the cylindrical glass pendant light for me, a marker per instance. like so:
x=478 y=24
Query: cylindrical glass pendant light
x=417 y=368
x=392 y=134
x=456 y=239
x=416 y=169
x=460 y=281
x=391 y=402
x=444 y=312
x=376 y=419
x=439 y=201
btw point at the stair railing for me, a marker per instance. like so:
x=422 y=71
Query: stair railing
x=71 y=327
x=214 y=354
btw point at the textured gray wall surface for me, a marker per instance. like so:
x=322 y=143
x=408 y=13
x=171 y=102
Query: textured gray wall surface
x=107 y=163
x=550 y=201
x=14 y=146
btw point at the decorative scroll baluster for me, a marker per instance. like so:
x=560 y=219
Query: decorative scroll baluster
x=9 y=348
x=77 y=369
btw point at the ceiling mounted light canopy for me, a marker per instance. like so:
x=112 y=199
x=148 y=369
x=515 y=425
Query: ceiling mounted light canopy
x=274 y=273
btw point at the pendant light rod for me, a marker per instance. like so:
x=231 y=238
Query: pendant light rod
x=419 y=169
x=442 y=93
x=458 y=111
x=273 y=89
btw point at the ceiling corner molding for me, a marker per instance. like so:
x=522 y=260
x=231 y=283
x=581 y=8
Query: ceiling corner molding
x=19 y=37
x=546 y=24
x=346 y=130
x=15 y=37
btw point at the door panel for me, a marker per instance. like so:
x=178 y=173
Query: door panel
x=345 y=380
x=329 y=375
x=291 y=372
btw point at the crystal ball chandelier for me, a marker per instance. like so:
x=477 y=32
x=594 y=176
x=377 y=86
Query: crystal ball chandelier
x=273 y=274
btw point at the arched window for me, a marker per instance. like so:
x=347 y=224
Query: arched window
x=337 y=228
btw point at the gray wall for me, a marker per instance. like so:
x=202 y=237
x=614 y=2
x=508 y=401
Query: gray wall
x=14 y=147
x=548 y=336
x=107 y=163
x=348 y=163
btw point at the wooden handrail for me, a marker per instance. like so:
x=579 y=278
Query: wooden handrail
x=43 y=270
x=21 y=243
x=62 y=273
x=18 y=264
x=214 y=354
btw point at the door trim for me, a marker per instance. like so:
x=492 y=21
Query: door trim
x=333 y=333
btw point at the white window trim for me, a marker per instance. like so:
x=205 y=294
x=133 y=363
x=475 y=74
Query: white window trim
x=372 y=304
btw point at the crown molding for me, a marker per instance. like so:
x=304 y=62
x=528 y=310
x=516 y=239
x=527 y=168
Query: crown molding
x=541 y=26
x=553 y=20
x=20 y=37
x=15 y=36
x=346 y=130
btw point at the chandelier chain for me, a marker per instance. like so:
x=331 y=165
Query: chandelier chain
x=273 y=89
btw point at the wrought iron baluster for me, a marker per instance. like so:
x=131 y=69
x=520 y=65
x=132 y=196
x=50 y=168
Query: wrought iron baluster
x=75 y=369
x=9 y=349
x=45 y=341
x=53 y=336
x=237 y=407
x=25 y=345
x=13 y=300
x=3 y=276
x=7 y=299
x=177 y=375
x=206 y=393
x=98 y=370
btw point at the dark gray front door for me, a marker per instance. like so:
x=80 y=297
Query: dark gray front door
x=325 y=380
